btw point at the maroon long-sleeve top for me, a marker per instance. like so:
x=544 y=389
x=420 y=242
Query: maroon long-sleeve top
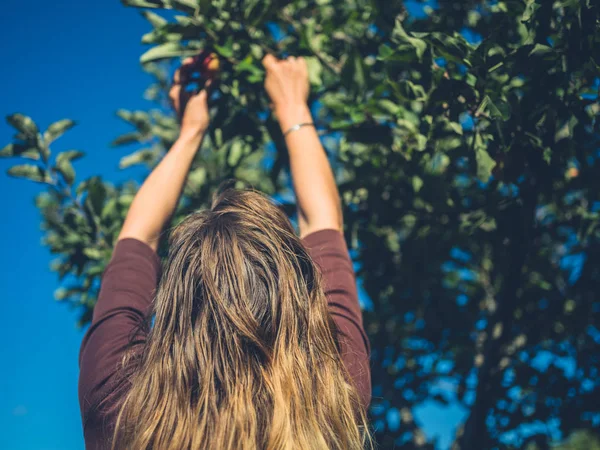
x=128 y=286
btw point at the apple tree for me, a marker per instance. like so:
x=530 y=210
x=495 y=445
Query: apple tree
x=465 y=139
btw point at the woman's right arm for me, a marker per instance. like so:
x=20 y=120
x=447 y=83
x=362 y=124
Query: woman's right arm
x=317 y=195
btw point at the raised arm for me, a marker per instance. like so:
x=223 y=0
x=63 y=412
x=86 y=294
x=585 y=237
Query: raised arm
x=130 y=279
x=158 y=197
x=316 y=192
x=319 y=213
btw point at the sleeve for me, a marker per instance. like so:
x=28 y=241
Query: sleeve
x=329 y=251
x=126 y=292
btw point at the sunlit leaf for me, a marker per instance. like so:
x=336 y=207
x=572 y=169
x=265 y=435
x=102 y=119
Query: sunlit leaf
x=156 y=20
x=166 y=51
x=24 y=124
x=28 y=171
x=485 y=164
x=57 y=129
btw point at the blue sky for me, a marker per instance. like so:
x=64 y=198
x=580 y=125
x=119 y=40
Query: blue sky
x=78 y=60
x=63 y=59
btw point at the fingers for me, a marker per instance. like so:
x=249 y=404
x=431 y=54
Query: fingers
x=177 y=74
x=302 y=65
x=186 y=96
x=269 y=61
x=179 y=96
x=202 y=96
x=174 y=92
x=180 y=74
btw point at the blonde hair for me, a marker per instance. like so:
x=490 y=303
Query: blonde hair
x=243 y=352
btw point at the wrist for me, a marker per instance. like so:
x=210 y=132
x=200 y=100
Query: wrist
x=191 y=137
x=291 y=116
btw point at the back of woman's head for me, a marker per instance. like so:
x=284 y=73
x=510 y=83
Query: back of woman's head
x=242 y=353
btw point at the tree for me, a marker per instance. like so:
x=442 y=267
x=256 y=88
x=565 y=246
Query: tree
x=578 y=440
x=465 y=139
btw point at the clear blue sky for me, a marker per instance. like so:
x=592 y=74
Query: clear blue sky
x=78 y=60
x=74 y=59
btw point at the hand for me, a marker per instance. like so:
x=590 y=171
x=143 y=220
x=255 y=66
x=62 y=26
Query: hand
x=288 y=87
x=191 y=107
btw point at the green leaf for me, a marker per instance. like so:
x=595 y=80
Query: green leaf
x=421 y=142
x=449 y=143
x=534 y=140
x=69 y=155
x=28 y=171
x=417 y=183
x=456 y=127
x=407 y=90
x=109 y=208
x=225 y=50
x=485 y=164
x=65 y=168
x=385 y=52
x=197 y=178
x=357 y=116
x=499 y=110
x=126 y=200
x=438 y=163
x=315 y=70
x=96 y=193
x=57 y=129
x=359 y=77
x=22 y=150
x=388 y=106
x=255 y=10
x=530 y=10
x=92 y=253
x=139 y=119
x=471 y=79
x=61 y=294
x=482 y=105
x=155 y=20
x=144 y=3
x=235 y=153
x=24 y=124
x=153 y=92
x=496 y=66
x=189 y=6
x=541 y=50
x=125 y=114
x=31 y=153
x=166 y=51
x=452 y=48
x=400 y=35
x=566 y=130
x=547 y=155
x=249 y=65
x=127 y=138
x=7 y=151
x=139 y=157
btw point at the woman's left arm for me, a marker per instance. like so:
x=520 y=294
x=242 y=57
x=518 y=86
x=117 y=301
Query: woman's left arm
x=158 y=197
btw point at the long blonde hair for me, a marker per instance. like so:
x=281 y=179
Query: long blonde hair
x=243 y=352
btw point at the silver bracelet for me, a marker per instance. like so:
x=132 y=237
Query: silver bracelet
x=298 y=126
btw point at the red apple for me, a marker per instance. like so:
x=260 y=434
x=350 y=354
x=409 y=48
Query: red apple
x=210 y=64
x=573 y=172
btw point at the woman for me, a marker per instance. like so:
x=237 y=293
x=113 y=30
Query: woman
x=257 y=340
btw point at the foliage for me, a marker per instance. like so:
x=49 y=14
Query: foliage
x=465 y=142
x=578 y=440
